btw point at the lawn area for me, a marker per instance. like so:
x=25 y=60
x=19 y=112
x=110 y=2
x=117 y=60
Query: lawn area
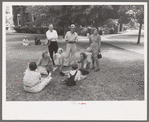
x=121 y=76
x=129 y=38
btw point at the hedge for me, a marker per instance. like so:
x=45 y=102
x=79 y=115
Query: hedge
x=27 y=29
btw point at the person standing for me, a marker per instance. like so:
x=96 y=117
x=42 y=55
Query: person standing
x=71 y=38
x=95 y=46
x=52 y=41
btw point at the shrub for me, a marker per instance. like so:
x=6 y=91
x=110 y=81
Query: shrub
x=111 y=31
x=100 y=32
x=83 y=31
x=43 y=29
x=60 y=31
x=33 y=29
x=24 y=29
x=17 y=29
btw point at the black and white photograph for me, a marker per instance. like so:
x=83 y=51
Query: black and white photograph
x=75 y=52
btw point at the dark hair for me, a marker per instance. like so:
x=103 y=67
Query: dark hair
x=74 y=66
x=94 y=30
x=43 y=53
x=84 y=55
x=32 y=66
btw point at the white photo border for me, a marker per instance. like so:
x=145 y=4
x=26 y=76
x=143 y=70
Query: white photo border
x=57 y=110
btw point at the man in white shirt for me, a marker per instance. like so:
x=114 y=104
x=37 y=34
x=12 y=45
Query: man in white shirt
x=71 y=38
x=52 y=41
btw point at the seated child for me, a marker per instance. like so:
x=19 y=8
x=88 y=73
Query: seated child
x=44 y=64
x=37 y=41
x=58 y=59
x=84 y=64
x=75 y=73
x=26 y=42
x=32 y=80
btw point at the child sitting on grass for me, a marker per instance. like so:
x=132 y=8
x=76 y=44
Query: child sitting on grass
x=26 y=42
x=32 y=80
x=73 y=76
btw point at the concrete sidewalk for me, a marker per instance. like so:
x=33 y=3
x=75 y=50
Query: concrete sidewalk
x=125 y=41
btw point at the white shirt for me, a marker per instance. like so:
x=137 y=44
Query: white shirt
x=51 y=35
x=71 y=37
x=31 y=78
x=25 y=42
x=78 y=75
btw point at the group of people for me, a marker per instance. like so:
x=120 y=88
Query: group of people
x=33 y=81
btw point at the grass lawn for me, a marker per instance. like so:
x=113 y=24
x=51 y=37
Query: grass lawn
x=121 y=76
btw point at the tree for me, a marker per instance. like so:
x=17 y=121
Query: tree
x=135 y=13
x=140 y=20
x=97 y=14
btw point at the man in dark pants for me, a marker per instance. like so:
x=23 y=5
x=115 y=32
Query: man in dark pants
x=52 y=41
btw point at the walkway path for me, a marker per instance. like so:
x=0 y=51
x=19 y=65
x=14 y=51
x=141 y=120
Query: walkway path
x=125 y=41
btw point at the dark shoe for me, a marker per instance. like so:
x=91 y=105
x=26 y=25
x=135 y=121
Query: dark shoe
x=97 y=70
x=92 y=67
x=61 y=73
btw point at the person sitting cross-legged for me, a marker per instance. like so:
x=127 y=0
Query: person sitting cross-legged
x=73 y=75
x=32 y=81
x=45 y=64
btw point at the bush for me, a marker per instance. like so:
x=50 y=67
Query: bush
x=24 y=29
x=60 y=31
x=43 y=29
x=33 y=29
x=17 y=29
x=106 y=31
x=83 y=31
x=111 y=31
x=100 y=32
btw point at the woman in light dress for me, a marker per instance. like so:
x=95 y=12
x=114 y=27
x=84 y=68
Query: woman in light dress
x=95 y=41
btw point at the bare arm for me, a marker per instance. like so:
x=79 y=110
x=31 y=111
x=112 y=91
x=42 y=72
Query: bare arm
x=99 y=44
x=66 y=37
x=90 y=41
x=76 y=39
x=39 y=61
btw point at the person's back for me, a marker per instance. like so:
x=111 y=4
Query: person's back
x=32 y=80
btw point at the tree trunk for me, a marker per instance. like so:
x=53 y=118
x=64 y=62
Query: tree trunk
x=121 y=25
x=139 y=33
x=22 y=22
x=63 y=31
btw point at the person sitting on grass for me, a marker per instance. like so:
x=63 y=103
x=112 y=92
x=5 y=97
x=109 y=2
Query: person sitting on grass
x=84 y=64
x=26 y=42
x=44 y=64
x=32 y=81
x=73 y=75
x=37 y=41
x=58 y=59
